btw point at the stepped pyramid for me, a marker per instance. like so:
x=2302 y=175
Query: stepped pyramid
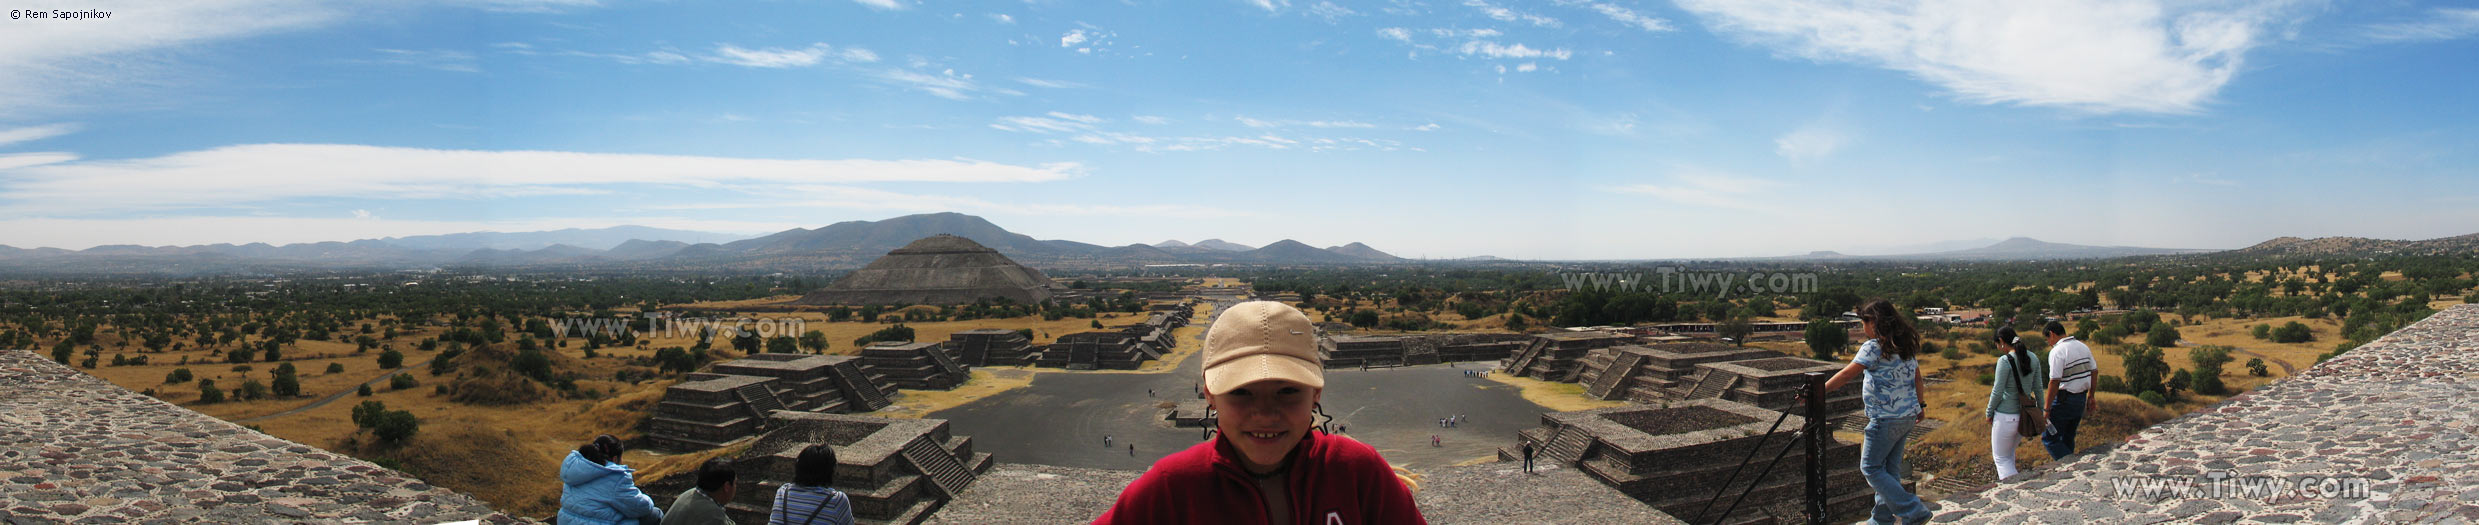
x=941 y=270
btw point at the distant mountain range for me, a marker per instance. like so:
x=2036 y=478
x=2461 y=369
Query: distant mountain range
x=2014 y=249
x=852 y=244
x=848 y=244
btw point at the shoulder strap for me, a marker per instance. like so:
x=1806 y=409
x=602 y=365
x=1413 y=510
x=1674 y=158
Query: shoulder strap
x=823 y=501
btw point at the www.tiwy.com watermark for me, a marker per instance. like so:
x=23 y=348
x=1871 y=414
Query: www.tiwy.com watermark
x=1673 y=279
x=663 y=326
x=2224 y=484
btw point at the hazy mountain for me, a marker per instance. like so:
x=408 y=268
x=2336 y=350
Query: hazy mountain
x=2281 y=246
x=2026 y=248
x=1173 y=243
x=597 y=239
x=644 y=249
x=1363 y=252
x=1290 y=251
x=1219 y=244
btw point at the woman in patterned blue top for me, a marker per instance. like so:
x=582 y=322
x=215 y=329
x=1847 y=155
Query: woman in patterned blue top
x=1891 y=393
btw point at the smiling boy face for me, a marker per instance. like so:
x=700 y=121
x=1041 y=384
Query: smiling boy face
x=1265 y=419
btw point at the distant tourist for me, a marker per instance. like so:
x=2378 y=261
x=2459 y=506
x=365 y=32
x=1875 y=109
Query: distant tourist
x=1891 y=395
x=717 y=482
x=1262 y=374
x=597 y=489
x=2070 y=387
x=1527 y=457
x=809 y=499
x=2011 y=396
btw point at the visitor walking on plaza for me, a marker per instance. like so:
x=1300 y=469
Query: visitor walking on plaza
x=1270 y=462
x=808 y=499
x=597 y=489
x=2012 y=399
x=717 y=482
x=2070 y=386
x=1891 y=395
x=1527 y=457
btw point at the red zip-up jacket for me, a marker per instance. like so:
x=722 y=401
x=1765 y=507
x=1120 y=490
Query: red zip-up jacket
x=1334 y=480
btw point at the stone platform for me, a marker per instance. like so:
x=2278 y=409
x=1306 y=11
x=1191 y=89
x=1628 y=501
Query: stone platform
x=76 y=449
x=2385 y=433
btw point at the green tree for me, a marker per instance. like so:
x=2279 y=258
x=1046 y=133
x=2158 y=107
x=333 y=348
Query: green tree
x=208 y=393
x=1364 y=318
x=366 y=414
x=782 y=344
x=2256 y=367
x=2161 y=335
x=2292 y=332
x=363 y=390
x=533 y=364
x=814 y=340
x=251 y=389
x=1737 y=329
x=396 y=426
x=1826 y=338
x=2206 y=378
x=2261 y=331
x=2145 y=370
x=63 y=351
x=287 y=381
x=178 y=375
x=335 y=368
x=391 y=360
x=401 y=382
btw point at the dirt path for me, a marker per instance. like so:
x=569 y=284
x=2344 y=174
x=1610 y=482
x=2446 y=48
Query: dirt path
x=331 y=398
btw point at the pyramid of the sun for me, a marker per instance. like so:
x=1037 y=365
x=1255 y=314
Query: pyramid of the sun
x=941 y=270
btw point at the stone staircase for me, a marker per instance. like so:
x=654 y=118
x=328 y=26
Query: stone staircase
x=857 y=383
x=1712 y=384
x=1567 y=446
x=946 y=363
x=1524 y=358
x=760 y=400
x=1621 y=367
x=946 y=474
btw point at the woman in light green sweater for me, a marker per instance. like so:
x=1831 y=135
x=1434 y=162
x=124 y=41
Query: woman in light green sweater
x=2018 y=379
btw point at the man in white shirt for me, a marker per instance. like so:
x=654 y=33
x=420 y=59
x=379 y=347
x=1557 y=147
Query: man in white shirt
x=2070 y=389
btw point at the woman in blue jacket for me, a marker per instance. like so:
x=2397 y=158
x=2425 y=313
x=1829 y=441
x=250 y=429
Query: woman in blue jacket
x=599 y=490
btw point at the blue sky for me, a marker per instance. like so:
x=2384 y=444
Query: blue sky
x=1437 y=128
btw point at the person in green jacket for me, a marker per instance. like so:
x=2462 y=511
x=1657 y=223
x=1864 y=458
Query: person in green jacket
x=2017 y=372
x=717 y=482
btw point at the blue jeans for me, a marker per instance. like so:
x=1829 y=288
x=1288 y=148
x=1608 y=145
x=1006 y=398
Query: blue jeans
x=1880 y=460
x=2064 y=415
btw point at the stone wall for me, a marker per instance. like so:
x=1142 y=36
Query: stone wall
x=74 y=448
x=2384 y=433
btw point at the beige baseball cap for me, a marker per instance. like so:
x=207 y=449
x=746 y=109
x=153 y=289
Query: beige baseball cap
x=1259 y=340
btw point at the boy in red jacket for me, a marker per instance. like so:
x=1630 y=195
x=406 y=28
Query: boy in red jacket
x=1268 y=464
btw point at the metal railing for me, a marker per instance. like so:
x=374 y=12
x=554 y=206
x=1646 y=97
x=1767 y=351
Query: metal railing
x=1812 y=404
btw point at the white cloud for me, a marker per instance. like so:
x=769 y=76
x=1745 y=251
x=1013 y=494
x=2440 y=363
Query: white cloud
x=241 y=175
x=774 y=57
x=1466 y=33
x=1330 y=11
x=883 y=5
x=1150 y=119
x=1270 y=6
x=70 y=64
x=1086 y=129
x=10 y=161
x=1396 y=34
x=1809 y=143
x=945 y=84
x=2093 y=55
x=1427 y=127
x=527 y=6
x=1494 y=50
x=1261 y=123
x=1002 y=18
x=1528 y=67
x=34 y=133
x=1088 y=119
x=362 y=214
x=1699 y=187
x=79 y=234
x=1073 y=37
x=1047 y=83
x=1509 y=15
x=2443 y=23
x=1624 y=16
x=439 y=59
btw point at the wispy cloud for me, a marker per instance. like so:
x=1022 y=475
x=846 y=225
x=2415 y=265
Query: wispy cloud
x=1088 y=129
x=1700 y=187
x=1396 y=34
x=528 y=6
x=1509 y=15
x=2101 y=56
x=262 y=173
x=775 y=57
x=57 y=62
x=883 y=5
x=439 y=59
x=1490 y=49
x=1002 y=18
x=812 y=196
x=945 y=83
x=81 y=233
x=1051 y=84
x=1623 y=15
x=1261 y=123
x=1331 y=12
x=1270 y=6
x=1809 y=143
x=2443 y=23
x=34 y=133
